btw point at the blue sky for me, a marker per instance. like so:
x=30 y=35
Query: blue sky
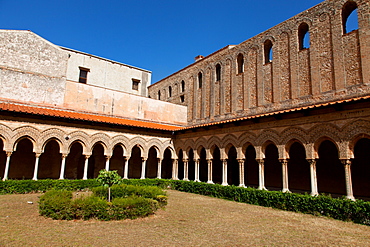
x=162 y=35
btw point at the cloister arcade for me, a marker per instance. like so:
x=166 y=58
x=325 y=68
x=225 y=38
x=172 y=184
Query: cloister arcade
x=323 y=159
x=28 y=153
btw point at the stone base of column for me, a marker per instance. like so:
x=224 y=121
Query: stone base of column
x=286 y=191
x=314 y=194
x=262 y=188
x=242 y=185
x=352 y=198
x=210 y=182
x=186 y=179
x=224 y=184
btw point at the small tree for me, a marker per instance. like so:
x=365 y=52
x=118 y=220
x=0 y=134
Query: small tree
x=108 y=178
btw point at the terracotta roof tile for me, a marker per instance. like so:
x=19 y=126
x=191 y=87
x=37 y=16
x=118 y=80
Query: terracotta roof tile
x=6 y=106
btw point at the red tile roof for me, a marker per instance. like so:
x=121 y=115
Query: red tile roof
x=62 y=113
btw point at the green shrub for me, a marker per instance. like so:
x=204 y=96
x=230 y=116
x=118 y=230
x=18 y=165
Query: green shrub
x=56 y=205
x=124 y=190
x=130 y=202
x=132 y=207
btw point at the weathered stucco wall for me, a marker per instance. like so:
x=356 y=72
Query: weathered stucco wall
x=31 y=68
x=106 y=73
x=100 y=100
x=334 y=67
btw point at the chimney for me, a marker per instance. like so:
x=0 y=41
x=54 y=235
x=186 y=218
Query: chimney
x=199 y=57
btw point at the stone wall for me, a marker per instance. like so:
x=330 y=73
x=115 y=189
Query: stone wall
x=107 y=73
x=333 y=67
x=31 y=68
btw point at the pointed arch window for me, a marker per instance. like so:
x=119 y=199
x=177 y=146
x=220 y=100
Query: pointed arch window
x=303 y=36
x=159 y=95
x=182 y=86
x=170 y=91
x=218 y=72
x=200 y=80
x=240 y=63
x=268 y=51
x=349 y=17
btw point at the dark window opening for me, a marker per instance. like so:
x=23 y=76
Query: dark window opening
x=83 y=75
x=182 y=86
x=182 y=98
x=349 y=17
x=240 y=62
x=169 y=91
x=304 y=36
x=218 y=72
x=200 y=80
x=135 y=84
x=268 y=51
x=159 y=95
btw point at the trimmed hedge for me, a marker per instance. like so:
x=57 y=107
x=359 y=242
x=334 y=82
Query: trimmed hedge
x=31 y=186
x=141 y=201
x=338 y=208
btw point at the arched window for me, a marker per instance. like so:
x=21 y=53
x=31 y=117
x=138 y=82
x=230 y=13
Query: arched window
x=200 y=80
x=218 y=72
x=268 y=51
x=349 y=17
x=304 y=36
x=169 y=91
x=240 y=62
x=159 y=95
x=182 y=86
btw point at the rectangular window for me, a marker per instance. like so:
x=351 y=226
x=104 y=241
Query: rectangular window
x=135 y=84
x=83 y=75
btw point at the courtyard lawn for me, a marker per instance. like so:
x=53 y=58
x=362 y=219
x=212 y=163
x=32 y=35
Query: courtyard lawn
x=187 y=220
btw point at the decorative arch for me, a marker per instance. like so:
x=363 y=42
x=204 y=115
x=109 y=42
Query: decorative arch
x=55 y=134
x=331 y=131
x=26 y=131
x=294 y=133
x=201 y=142
x=320 y=140
x=139 y=142
x=80 y=137
x=43 y=145
x=5 y=135
x=229 y=139
x=348 y=8
x=268 y=135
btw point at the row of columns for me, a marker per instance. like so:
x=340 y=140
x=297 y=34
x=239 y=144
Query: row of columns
x=261 y=186
x=86 y=165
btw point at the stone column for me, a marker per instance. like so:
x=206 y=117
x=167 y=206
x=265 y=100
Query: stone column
x=261 y=172
x=210 y=171
x=197 y=161
x=125 y=168
x=107 y=159
x=241 y=172
x=347 y=169
x=186 y=169
x=143 y=167
x=36 y=170
x=63 y=166
x=86 y=166
x=224 y=172
x=314 y=190
x=159 y=170
x=175 y=169
x=6 y=172
x=284 y=167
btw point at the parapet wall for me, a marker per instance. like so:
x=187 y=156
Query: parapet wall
x=244 y=80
